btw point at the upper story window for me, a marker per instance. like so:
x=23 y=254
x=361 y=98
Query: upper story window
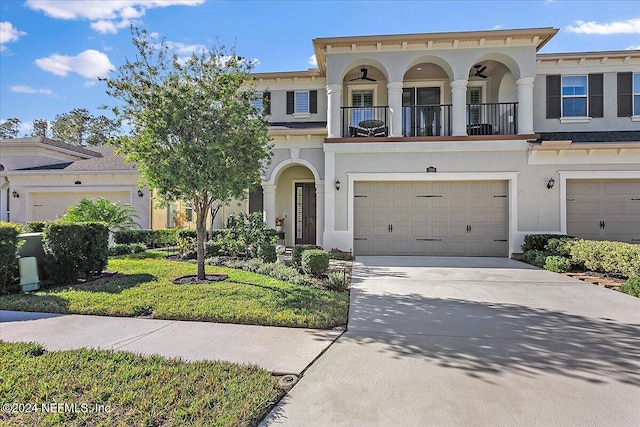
x=262 y=102
x=574 y=96
x=302 y=103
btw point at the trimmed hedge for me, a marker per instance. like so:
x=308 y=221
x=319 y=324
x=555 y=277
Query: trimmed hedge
x=73 y=249
x=9 y=245
x=631 y=286
x=618 y=258
x=296 y=253
x=539 y=242
x=127 y=237
x=126 y=248
x=315 y=262
x=36 y=226
x=267 y=252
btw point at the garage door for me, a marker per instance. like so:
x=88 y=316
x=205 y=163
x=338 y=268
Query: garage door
x=460 y=218
x=49 y=206
x=604 y=209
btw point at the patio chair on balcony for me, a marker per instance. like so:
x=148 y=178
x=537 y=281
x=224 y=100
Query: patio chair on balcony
x=369 y=128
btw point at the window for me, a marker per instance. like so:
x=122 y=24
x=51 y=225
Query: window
x=363 y=101
x=262 y=102
x=574 y=96
x=257 y=102
x=474 y=99
x=301 y=102
x=636 y=94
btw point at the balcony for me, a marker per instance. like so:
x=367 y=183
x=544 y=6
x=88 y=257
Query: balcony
x=498 y=118
x=365 y=122
x=433 y=120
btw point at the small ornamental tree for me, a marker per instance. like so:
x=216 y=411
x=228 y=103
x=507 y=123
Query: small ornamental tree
x=193 y=132
x=116 y=215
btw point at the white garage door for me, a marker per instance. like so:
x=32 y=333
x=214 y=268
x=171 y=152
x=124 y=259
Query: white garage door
x=604 y=209
x=49 y=206
x=458 y=218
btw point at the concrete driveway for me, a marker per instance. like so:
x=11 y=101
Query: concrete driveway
x=473 y=342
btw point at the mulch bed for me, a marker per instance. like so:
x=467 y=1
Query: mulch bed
x=192 y=279
x=595 y=278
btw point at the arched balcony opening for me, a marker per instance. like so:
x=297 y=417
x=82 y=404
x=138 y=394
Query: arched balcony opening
x=365 y=102
x=426 y=101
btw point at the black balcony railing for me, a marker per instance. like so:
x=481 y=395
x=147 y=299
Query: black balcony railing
x=365 y=121
x=499 y=118
x=426 y=120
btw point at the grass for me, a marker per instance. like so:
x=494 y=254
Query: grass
x=143 y=286
x=130 y=389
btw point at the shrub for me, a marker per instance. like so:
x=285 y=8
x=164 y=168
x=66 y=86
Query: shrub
x=560 y=246
x=538 y=241
x=631 y=286
x=74 y=248
x=97 y=252
x=36 y=226
x=9 y=245
x=267 y=252
x=336 y=253
x=163 y=238
x=212 y=248
x=296 y=253
x=250 y=230
x=187 y=242
x=338 y=282
x=284 y=273
x=248 y=265
x=126 y=237
x=607 y=257
x=315 y=262
x=557 y=264
x=126 y=248
x=218 y=233
x=535 y=257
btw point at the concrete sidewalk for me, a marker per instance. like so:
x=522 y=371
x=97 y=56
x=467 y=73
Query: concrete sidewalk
x=278 y=350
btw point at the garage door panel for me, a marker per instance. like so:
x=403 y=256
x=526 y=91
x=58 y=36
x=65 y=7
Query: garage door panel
x=604 y=209
x=432 y=218
x=50 y=206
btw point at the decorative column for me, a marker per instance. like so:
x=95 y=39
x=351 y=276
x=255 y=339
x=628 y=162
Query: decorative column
x=334 y=99
x=459 y=108
x=319 y=213
x=525 y=105
x=269 y=204
x=395 y=107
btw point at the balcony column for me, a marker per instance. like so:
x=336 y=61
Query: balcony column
x=4 y=195
x=319 y=213
x=525 y=105
x=269 y=204
x=395 y=107
x=459 y=108
x=334 y=97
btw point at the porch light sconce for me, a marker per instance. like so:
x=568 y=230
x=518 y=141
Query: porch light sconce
x=431 y=169
x=15 y=194
x=550 y=183
x=337 y=185
x=78 y=182
x=140 y=194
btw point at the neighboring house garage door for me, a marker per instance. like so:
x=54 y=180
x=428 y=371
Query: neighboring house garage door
x=49 y=206
x=457 y=218
x=604 y=209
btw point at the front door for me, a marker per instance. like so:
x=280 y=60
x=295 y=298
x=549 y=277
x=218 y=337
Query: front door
x=305 y=223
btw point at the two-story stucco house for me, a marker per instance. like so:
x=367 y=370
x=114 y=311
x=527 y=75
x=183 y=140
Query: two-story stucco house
x=453 y=144
x=445 y=144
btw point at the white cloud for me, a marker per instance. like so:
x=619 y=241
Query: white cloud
x=312 y=61
x=8 y=34
x=633 y=47
x=90 y=83
x=118 y=13
x=497 y=27
x=29 y=89
x=630 y=26
x=183 y=49
x=89 y=64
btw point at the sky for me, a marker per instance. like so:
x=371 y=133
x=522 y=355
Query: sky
x=52 y=52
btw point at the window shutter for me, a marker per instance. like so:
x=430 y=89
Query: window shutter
x=290 y=102
x=553 y=96
x=625 y=94
x=313 y=101
x=266 y=102
x=596 y=95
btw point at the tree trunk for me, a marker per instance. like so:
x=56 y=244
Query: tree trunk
x=201 y=230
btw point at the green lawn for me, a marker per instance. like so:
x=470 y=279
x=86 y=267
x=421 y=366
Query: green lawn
x=144 y=286
x=105 y=388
